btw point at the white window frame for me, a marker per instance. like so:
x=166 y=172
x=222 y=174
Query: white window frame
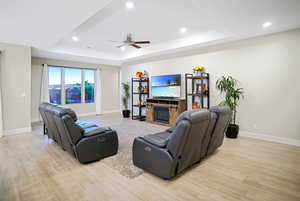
x=63 y=88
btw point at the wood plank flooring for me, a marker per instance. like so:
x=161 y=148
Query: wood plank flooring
x=32 y=168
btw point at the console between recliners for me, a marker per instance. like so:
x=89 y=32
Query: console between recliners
x=84 y=140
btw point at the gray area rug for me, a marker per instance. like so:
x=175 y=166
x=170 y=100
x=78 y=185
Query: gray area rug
x=127 y=130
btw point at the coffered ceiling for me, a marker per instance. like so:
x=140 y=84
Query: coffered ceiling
x=50 y=27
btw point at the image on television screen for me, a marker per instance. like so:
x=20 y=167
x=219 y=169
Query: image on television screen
x=166 y=86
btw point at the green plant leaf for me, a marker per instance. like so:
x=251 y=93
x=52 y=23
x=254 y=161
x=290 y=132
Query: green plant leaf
x=228 y=86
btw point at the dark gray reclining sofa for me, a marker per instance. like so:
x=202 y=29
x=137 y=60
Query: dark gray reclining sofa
x=84 y=140
x=197 y=134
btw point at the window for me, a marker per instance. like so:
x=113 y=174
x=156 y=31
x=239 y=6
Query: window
x=55 y=85
x=78 y=85
x=73 y=85
x=89 y=86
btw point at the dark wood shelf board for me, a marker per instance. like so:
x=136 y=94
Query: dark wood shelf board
x=197 y=94
x=139 y=105
x=138 y=80
x=137 y=117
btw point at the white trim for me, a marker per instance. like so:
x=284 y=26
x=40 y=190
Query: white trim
x=110 y=111
x=87 y=114
x=36 y=120
x=17 y=131
x=270 y=138
x=98 y=91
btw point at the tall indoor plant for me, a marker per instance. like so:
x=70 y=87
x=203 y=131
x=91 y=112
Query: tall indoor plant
x=125 y=98
x=229 y=86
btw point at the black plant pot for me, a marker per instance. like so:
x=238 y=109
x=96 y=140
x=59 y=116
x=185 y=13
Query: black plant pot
x=126 y=113
x=232 y=131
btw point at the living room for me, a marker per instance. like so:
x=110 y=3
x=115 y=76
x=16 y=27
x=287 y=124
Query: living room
x=128 y=100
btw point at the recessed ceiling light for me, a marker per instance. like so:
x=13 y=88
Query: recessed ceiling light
x=267 y=24
x=129 y=5
x=123 y=48
x=183 y=30
x=75 y=38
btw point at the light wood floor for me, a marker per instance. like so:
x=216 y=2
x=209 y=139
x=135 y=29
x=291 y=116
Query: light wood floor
x=34 y=169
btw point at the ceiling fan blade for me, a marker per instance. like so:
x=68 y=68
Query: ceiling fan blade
x=142 y=42
x=114 y=41
x=136 y=46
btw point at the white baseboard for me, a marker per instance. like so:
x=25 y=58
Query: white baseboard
x=270 y=138
x=17 y=131
x=87 y=114
x=110 y=111
x=36 y=120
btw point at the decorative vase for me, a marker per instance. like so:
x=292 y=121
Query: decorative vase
x=232 y=131
x=197 y=72
x=126 y=113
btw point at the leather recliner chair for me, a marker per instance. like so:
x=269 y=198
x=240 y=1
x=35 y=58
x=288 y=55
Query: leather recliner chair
x=168 y=153
x=84 y=140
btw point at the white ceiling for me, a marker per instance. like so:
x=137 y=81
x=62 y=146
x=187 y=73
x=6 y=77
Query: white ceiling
x=48 y=26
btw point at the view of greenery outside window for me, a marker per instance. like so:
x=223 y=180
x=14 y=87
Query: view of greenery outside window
x=73 y=85
x=54 y=85
x=89 y=86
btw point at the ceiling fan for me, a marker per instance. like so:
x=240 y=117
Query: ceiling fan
x=130 y=42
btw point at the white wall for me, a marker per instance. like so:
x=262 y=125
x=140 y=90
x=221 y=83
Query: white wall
x=15 y=82
x=1 y=120
x=110 y=99
x=268 y=68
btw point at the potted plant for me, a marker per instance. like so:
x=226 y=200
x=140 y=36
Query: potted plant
x=229 y=87
x=125 y=98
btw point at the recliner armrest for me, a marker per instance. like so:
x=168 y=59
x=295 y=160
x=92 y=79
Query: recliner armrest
x=158 y=139
x=95 y=131
x=153 y=159
x=170 y=130
x=85 y=124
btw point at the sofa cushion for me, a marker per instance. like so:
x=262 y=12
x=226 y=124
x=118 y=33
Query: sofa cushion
x=85 y=124
x=158 y=139
x=95 y=131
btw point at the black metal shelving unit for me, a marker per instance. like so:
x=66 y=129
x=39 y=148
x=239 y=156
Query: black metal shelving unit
x=139 y=84
x=195 y=88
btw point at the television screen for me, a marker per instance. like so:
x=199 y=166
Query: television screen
x=166 y=86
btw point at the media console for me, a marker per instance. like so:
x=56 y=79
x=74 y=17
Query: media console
x=164 y=111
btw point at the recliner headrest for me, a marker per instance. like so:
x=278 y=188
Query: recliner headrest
x=61 y=111
x=44 y=106
x=220 y=110
x=194 y=116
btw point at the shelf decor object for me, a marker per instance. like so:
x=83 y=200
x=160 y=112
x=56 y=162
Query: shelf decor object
x=198 y=70
x=197 y=91
x=140 y=92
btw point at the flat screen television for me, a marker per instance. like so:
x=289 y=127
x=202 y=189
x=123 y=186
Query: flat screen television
x=166 y=86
